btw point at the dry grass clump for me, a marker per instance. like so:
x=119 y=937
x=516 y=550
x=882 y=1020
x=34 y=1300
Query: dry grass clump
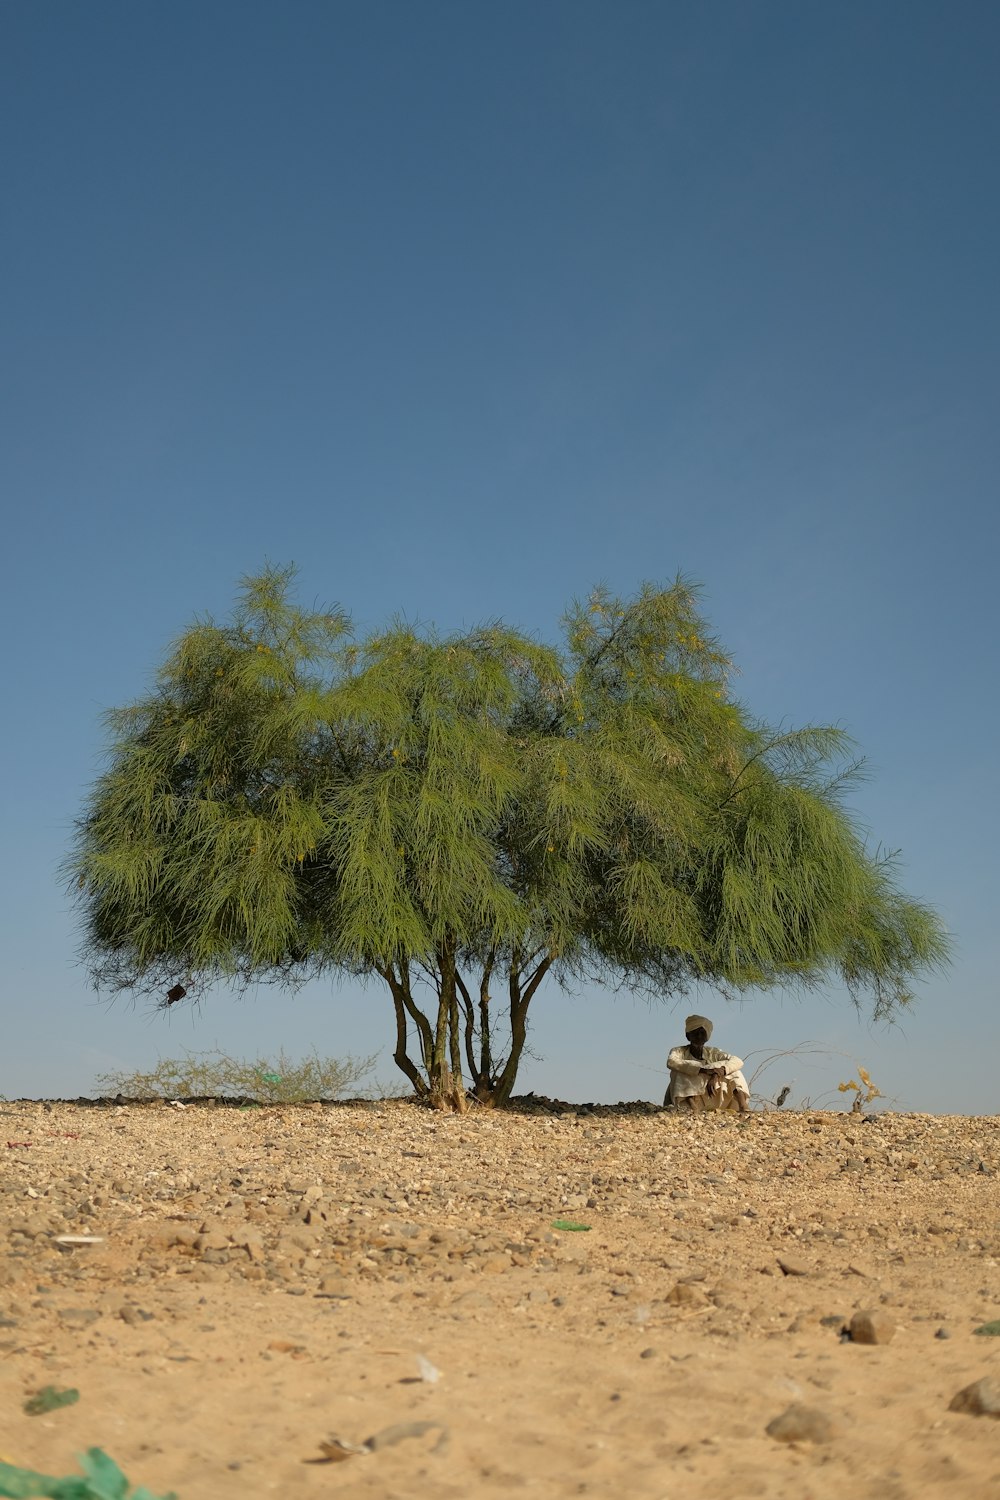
x=267 y=1080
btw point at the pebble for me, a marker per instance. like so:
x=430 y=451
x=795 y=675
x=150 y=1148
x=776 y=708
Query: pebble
x=134 y=1316
x=685 y=1294
x=870 y=1326
x=79 y=1317
x=980 y=1399
x=802 y=1424
x=335 y=1286
x=794 y=1267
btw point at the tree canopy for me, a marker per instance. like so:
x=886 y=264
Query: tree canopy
x=461 y=815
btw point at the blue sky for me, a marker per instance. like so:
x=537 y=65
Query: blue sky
x=463 y=308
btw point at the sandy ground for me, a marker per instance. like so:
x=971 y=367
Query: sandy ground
x=270 y=1279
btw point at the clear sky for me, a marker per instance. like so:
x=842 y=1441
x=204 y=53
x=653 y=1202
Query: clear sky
x=464 y=307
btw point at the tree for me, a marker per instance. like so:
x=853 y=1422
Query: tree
x=465 y=814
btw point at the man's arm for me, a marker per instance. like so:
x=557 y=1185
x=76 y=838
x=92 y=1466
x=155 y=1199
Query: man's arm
x=680 y=1062
x=726 y=1062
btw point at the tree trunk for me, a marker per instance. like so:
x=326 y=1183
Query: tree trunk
x=485 y=1081
x=458 y=1100
x=520 y=999
x=447 y=1089
x=441 y=1043
x=403 y=1005
x=469 y=1030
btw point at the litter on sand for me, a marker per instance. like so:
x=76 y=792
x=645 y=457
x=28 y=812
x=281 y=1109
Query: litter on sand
x=50 y=1398
x=101 y=1479
x=335 y=1450
x=429 y=1374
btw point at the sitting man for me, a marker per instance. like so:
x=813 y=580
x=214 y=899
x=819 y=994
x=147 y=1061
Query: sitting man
x=704 y=1077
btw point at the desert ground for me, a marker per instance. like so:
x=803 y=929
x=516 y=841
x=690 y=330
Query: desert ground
x=269 y=1288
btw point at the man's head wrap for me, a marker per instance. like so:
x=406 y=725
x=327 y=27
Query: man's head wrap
x=693 y=1022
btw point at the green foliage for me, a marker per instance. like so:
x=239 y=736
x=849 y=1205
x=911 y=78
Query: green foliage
x=450 y=813
x=102 y=1479
x=213 y=1075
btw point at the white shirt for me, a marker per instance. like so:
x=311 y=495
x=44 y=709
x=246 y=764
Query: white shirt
x=687 y=1080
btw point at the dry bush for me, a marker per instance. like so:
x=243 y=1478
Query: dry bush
x=213 y=1075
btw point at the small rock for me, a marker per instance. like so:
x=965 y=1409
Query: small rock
x=794 y=1267
x=802 y=1424
x=870 y=1326
x=475 y=1301
x=943 y=1333
x=133 y=1316
x=648 y=1354
x=32 y=1227
x=335 y=1286
x=980 y=1399
x=212 y=1239
x=79 y=1317
x=684 y=1294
